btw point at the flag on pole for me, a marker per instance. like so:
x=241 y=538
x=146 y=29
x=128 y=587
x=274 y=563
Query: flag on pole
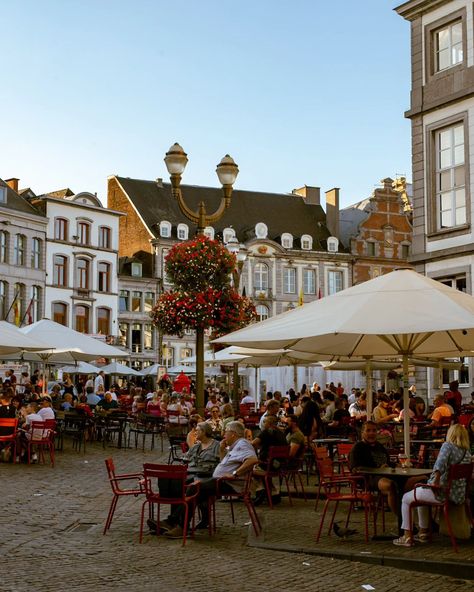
x=301 y=297
x=16 y=312
x=319 y=294
x=28 y=313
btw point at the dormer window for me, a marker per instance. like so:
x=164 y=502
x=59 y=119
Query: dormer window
x=209 y=232
x=261 y=230
x=165 y=229
x=287 y=240
x=183 y=231
x=227 y=235
x=333 y=244
x=306 y=242
x=136 y=270
x=3 y=194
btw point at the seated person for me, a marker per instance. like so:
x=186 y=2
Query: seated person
x=237 y=459
x=67 y=403
x=92 y=398
x=227 y=415
x=441 y=410
x=382 y=412
x=337 y=425
x=204 y=456
x=29 y=415
x=272 y=408
x=191 y=437
x=107 y=403
x=358 y=410
x=46 y=410
x=370 y=453
x=215 y=421
x=295 y=437
x=248 y=433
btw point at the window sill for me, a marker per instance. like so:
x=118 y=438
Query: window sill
x=448 y=232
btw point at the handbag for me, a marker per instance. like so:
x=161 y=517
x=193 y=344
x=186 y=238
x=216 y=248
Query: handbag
x=459 y=521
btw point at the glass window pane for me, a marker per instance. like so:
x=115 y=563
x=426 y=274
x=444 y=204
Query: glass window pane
x=444 y=181
x=446 y=201
x=459 y=135
x=456 y=33
x=444 y=60
x=459 y=154
x=459 y=198
x=444 y=139
x=446 y=219
x=460 y=216
x=443 y=38
x=459 y=179
x=445 y=159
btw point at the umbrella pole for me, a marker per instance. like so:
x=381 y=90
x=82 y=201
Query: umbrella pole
x=368 y=387
x=406 y=414
x=256 y=388
x=295 y=377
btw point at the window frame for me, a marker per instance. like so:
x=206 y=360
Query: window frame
x=435 y=233
x=19 y=250
x=105 y=232
x=4 y=287
x=61 y=229
x=104 y=276
x=164 y=224
x=287 y=240
x=87 y=318
x=56 y=270
x=35 y=310
x=263 y=317
x=289 y=280
x=329 y=273
x=84 y=232
x=264 y=274
x=55 y=316
x=83 y=273
x=99 y=309
x=431 y=29
x=4 y=246
x=309 y=239
x=184 y=229
x=124 y=294
x=36 y=253
x=309 y=272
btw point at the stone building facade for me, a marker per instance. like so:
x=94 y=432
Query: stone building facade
x=442 y=118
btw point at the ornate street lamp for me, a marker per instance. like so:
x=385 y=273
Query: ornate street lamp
x=227 y=171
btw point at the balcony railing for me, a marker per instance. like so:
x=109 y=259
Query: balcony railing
x=263 y=293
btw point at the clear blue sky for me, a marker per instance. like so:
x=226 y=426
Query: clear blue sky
x=297 y=91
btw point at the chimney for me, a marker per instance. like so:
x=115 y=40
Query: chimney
x=311 y=195
x=12 y=183
x=332 y=211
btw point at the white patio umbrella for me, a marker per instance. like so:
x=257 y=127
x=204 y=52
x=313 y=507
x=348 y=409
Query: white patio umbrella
x=69 y=346
x=80 y=368
x=401 y=313
x=150 y=370
x=181 y=368
x=12 y=340
x=119 y=369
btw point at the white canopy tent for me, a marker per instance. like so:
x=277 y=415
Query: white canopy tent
x=181 y=368
x=80 y=368
x=401 y=314
x=119 y=370
x=12 y=340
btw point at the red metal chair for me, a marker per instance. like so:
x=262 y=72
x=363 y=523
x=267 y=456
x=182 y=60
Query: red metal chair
x=456 y=472
x=244 y=495
x=9 y=425
x=41 y=435
x=169 y=473
x=118 y=491
x=332 y=489
x=328 y=477
x=276 y=468
x=343 y=451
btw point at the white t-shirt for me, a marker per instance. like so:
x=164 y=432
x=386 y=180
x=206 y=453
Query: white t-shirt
x=99 y=381
x=247 y=400
x=46 y=413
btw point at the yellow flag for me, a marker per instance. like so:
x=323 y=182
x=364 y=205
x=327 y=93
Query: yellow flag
x=301 y=298
x=16 y=313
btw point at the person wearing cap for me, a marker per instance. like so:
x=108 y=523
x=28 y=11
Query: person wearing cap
x=46 y=411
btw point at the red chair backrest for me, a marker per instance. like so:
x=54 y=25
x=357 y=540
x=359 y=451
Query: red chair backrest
x=8 y=428
x=460 y=471
x=320 y=452
x=40 y=432
x=465 y=419
x=325 y=468
x=153 y=472
x=109 y=463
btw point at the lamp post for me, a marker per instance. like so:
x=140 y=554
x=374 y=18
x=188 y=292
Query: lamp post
x=240 y=252
x=227 y=171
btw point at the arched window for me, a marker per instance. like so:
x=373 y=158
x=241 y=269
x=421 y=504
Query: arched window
x=36 y=253
x=20 y=249
x=84 y=232
x=168 y=356
x=185 y=352
x=183 y=231
x=4 y=240
x=261 y=230
x=82 y=274
x=227 y=235
x=103 y=277
x=165 y=229
x=61 y=229
x=59 y=313
x=19 y=303
x=261 y=276
x=3 y=298
x=60 y=264
x=103 y=321
x=34 y=307
x=81 y=318
x=262 y=312
x=333 y=244
x=287 y=240
x=104 y=237
x=147 y=336
x=306 y=242
x=209 y=232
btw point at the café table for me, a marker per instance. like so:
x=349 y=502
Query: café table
x=330 y=443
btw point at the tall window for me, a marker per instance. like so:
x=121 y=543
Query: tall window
x=34 y=306
x=124 y=300
x=136 y=338
x=19 y=249
x=123 y=334
x=450 y=177
x=136 y=301
x=185 y=352
x=103 y=273
x=371 y=248
x=3 y=298
x=60 y=313
x=19 y=305
x=81 y=318
x=335 y=281
x=309 y=281
x=462 y=375
x=289 y=280
x=4 y=236
x=103 y=321
x=448 y=46
x=183 y=231
x=148 y=336
x=149 y=301
x=60 y=270
x=261 y=276
x=262 y=312
x=104 y=237
x=167 y=356
x=405 y=251
x=36 y=253
x=61 y=229
x=84 y=232
x=82 y=274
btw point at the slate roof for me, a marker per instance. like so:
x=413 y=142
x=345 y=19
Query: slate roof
x=17 y=202
x=350 y=218
x=280 y=212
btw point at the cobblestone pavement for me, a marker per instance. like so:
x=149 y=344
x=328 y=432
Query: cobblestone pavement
x=51 y=540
